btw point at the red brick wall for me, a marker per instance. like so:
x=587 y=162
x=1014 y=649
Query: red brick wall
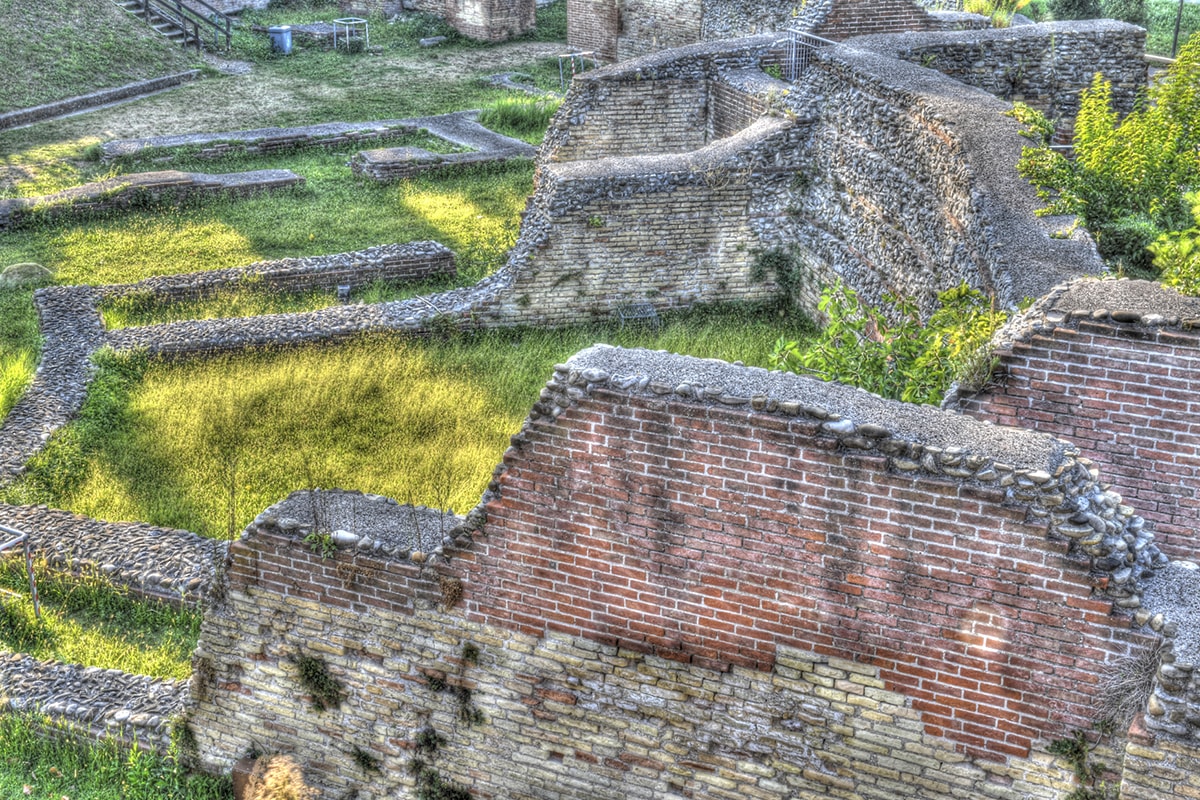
x=1126 y=394
x=713 y=536
x=861 y=17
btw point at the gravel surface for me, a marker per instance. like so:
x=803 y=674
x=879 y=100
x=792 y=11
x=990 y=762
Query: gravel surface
x=1174 y=592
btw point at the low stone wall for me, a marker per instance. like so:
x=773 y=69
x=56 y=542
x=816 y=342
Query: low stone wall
x=414 y=261
x=461 y=128
x=27 y=116
x=91 y=701
x=262 y=140
x=71 y=331
x=131 y=190
x=159 y=563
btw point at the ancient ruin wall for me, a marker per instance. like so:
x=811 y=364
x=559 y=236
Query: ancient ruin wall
x=874 y=170
x=1113 y=366
x=908 y=186
x=693 y=578
x=1044 y=66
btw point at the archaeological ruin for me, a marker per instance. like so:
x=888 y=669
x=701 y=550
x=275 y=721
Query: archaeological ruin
x=689 y=578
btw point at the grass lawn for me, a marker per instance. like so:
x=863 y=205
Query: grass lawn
x=54 y=49
x=44 y=767
x=423 y=421
x=89 y=621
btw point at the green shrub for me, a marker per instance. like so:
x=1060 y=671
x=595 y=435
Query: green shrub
x=1177 y=254
x=1076 y=9
x=1132 y=11
x=901 y=359
x=1127 y=178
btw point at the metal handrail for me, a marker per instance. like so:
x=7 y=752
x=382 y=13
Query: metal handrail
x=23 y=539
x=186 y=17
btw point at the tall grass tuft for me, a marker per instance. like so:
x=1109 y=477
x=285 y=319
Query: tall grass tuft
x=521 y=117
x=88 y=620
x=43 y=760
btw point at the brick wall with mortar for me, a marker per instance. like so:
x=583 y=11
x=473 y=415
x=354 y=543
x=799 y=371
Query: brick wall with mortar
x=1114 y=366
x=618 y=30
x=676 y=590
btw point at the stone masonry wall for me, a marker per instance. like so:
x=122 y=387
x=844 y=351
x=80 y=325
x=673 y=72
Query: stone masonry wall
x=1047 y=72
x=908 y=187
x=637 y=117
x=692 y=578
x=651 y=25
x=491 y=20
x=874 y=170
x=1113 y=366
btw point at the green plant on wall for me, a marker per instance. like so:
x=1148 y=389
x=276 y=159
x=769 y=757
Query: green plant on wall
x=1076 y=750
x=322 y=686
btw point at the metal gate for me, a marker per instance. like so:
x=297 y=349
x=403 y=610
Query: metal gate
x=801 y=46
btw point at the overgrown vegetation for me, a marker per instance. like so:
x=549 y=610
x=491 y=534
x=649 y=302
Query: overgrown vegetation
x=424 y=421
x=51 y=767
x=278 y=777
x=896 y=355
x=1000 y=11
x=521 y=117
x=324 y=688
x=88 y=620
x=20 y=343
x=1127 y=179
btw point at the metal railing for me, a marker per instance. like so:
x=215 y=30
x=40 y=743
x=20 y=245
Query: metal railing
x=23 y=540
x=195 y=18
x=801 y=46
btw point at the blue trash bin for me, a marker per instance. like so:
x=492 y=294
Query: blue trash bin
x=281 y=39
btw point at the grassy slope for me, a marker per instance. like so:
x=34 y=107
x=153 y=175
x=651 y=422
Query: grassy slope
x=63 y=48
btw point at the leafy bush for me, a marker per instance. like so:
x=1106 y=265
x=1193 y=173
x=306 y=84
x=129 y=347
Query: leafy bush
x=1000 y=11
x=1177 y=254
x=1132 y=11
x=1127 y=180
x=1076 y=9
x=905 y=359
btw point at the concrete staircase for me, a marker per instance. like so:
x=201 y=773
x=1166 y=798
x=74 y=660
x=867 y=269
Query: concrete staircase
x=194 y=23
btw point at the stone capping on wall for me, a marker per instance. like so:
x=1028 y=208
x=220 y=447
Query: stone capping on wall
x=92 y=701
x=26 y=116
x=1118 y=307
x=1030 y=255
x=392 y=262
x=261 y=140
x=1042 y=473
x=128 y=190
x=367 y=523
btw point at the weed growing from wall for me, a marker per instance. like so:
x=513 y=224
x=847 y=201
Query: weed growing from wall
x=321 y=685
x=365 y=761
x=782 y=266
x=1126 y=686
x=1076 y=750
